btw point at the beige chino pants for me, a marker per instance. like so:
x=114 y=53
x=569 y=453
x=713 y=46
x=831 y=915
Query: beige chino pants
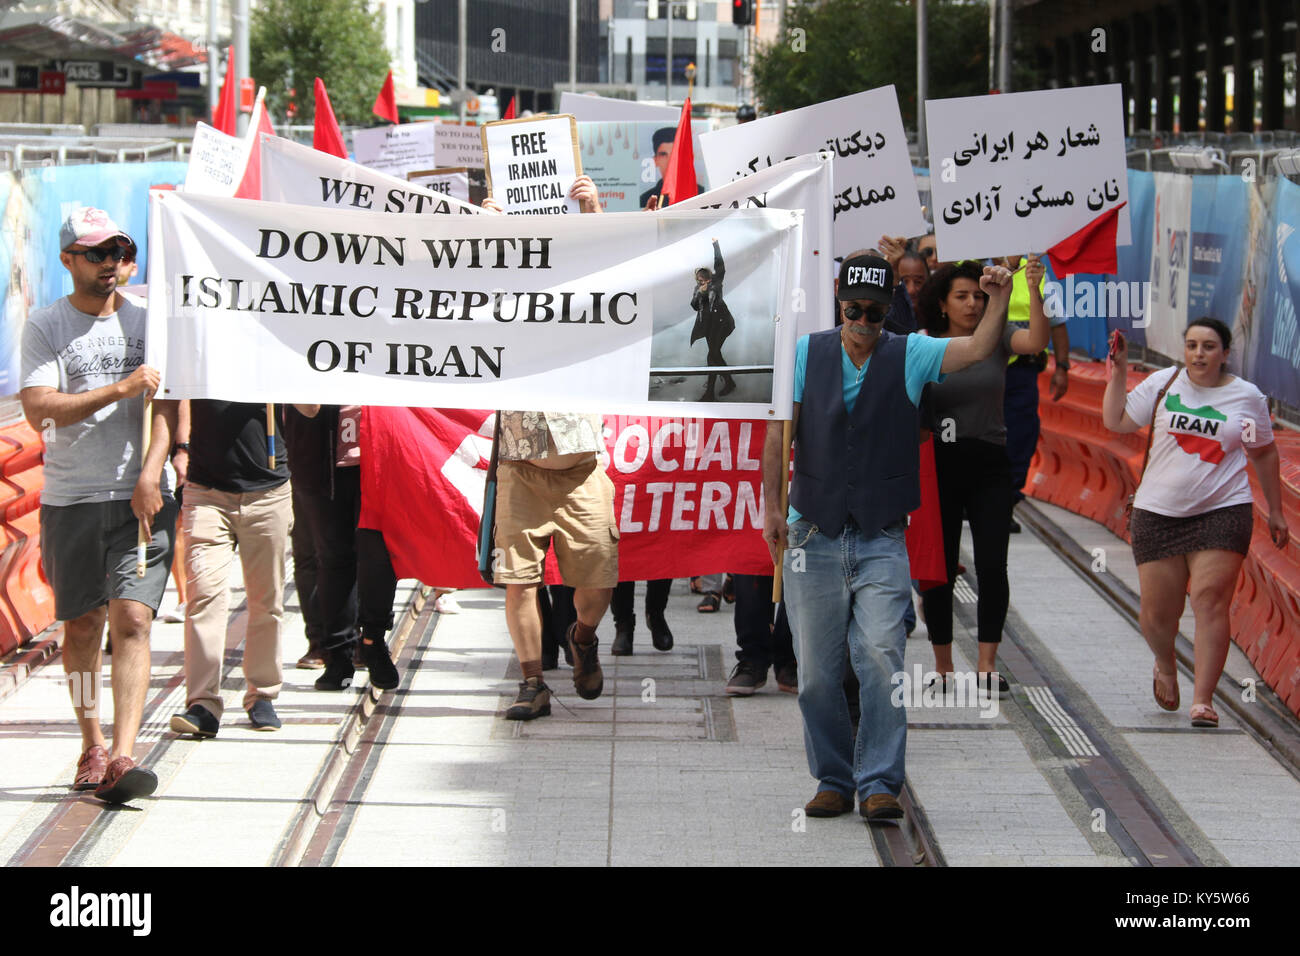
x=215 y=522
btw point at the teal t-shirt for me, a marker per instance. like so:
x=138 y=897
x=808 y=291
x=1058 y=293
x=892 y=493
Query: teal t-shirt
x=921 y=366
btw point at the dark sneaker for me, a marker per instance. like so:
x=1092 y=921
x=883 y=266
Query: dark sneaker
x=745 y=679
x=198 y=721
x=588 y=679
x=660 y=635
x=787 y=678
x=881 y=806
x=992 y=684
x=90 y=769
x=338 y=670
x=534 y=700
x=124 y=781
x=622 y=646
x=262 y=715
x=383 y=672
x=828 y=803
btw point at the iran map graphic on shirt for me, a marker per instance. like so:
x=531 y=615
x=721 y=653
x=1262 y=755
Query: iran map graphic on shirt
x=1196 y=429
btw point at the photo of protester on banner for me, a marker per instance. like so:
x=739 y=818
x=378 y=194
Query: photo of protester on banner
x=532 y=163
x=627 y=160
x=715 y=332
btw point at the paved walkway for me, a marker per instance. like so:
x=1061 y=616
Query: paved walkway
x=1079 y=768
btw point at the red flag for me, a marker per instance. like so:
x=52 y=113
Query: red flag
x=250 y=187
x=1091 y=249
x=326 y=135
x=510 y=110
x=224 y=116
x=386 y=102
x=679 y=179
x=924 y=530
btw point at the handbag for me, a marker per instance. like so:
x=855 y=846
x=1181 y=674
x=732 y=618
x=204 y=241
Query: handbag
x=487 y=525
x=1146 y=457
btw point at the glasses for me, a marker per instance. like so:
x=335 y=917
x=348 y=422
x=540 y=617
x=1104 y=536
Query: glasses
x=854 y=312
x=97 y=255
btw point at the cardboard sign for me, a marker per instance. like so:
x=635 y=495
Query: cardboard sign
x=452 y=182
x=396 y=149
x=217 y=162
x=532 y=163
x=875 y=192
x=1019 y=172
x=456 y=145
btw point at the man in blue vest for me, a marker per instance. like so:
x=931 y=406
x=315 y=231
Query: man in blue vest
x=847 y=581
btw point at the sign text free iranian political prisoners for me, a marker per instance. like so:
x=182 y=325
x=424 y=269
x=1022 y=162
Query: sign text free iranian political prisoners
x=446 y=311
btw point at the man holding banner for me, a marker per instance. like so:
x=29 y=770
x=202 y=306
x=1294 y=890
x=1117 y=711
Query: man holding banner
x=846 y=569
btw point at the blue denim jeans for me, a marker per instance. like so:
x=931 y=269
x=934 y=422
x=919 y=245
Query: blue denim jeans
x=851 y=590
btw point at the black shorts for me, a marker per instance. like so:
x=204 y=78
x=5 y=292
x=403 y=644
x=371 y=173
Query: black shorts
x=88 y=553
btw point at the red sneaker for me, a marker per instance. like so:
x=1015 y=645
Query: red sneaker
x=124 y=781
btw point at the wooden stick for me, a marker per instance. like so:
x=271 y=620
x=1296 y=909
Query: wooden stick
x=270 y=434
x=787 y=435
x=142 y=533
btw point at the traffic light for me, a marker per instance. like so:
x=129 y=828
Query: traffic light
x=742 y=12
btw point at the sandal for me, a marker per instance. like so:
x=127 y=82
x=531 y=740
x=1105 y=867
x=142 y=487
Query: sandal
x=1155 y=691
x=695 y=586
x=1203 y=715
x=710 y=603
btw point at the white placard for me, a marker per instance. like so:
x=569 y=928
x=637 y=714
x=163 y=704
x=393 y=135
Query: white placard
x=586 y=108
x=298 y=174
x=396 y=149
x=1171 y=264
x=456 y=145
x=800 y=183
x=259 y=301
x=875 y=192
x=449 y=182
x=1019 y=172
x=532 y=163
x=217 y=162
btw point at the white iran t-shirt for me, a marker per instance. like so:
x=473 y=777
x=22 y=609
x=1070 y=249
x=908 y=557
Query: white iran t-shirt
x=1198 y=455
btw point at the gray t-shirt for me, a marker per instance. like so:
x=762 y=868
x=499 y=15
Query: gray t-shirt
x=972 y=398
x=98 y=458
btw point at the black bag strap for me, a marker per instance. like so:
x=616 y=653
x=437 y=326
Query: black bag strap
x=1151 y=431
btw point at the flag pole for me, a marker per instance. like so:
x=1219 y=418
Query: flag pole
x=787 y=434
x=142 y=533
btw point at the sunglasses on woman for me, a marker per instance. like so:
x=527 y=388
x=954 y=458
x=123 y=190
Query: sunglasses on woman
x=97 y=255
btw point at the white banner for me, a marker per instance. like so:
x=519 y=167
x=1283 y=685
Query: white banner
x=1019 y=172
x=396 y=149
x=800 y=183
x=875 y=193
x=449 y=182
x=1166 y=316
x=456 y=145
x=298 y=174
x=532 y=163
x=586 y=108
x=259 y=301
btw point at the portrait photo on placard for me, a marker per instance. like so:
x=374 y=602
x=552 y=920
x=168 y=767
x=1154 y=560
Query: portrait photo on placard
x=714 y=334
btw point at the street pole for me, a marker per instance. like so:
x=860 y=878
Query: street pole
x=462 y=30
x=668 y=68
x=213 y=56
x=241 y=59
x=1004 y=79
x=922 y=80
x=993 y=44
x=573 y=46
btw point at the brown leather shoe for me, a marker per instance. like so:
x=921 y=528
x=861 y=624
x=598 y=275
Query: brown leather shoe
x=588 y=679
x=313 y=660
x=124 y=781
x=828 y=803
x=90 y=768
x=881 y=806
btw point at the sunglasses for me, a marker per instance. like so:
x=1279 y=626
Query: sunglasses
x=97 y=255
x=853 y=312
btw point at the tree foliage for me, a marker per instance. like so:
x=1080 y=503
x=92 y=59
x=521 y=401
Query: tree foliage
x=847 y=46
x=342 y=41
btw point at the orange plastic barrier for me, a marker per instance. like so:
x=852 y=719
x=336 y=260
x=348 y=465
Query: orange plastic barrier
x=1082 y=466
x=26 y=602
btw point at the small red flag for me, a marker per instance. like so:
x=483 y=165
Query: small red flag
x=1091 y=249
x=510 y=110
x=223 y=117
x=326 y=135
x=250 y=187
x=386 y=102
x=679 y=178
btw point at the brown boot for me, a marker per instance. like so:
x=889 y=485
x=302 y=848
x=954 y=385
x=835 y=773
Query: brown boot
x=828 y=803
x=534 y=700
x=588 y=679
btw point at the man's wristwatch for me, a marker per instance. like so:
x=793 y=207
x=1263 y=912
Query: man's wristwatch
x=179 y=446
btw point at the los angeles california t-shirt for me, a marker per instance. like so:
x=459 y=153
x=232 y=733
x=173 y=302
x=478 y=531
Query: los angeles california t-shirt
x=1198 y=455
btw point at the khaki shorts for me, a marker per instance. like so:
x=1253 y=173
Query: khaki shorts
x=573 y=510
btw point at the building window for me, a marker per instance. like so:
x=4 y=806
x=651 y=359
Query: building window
x=727 y=62
x=629 y=61
x=656 y=55
x=658 y=9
